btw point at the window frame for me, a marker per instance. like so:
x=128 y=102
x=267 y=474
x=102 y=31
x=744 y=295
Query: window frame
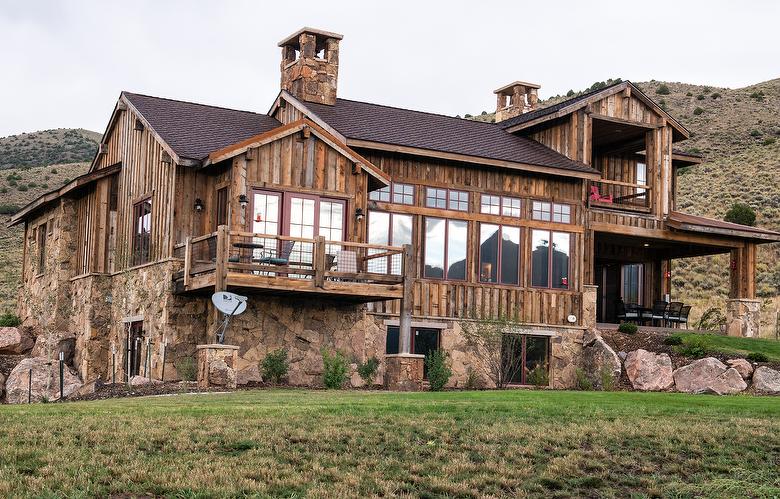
x=390 y=231
x=551 y=211
x=551 y=234
x=500 y=255
x=448 y=198
x=143 y=254
x=393 y=190
x=445 y=273
x=502 y=207
x=524 y=356
x=40 y=237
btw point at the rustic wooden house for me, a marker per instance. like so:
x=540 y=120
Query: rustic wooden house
x=368 y=229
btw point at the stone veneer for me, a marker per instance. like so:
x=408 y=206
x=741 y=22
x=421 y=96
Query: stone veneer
x=743 y=317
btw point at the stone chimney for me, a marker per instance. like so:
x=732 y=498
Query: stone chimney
x=310 y=65
x=514 y=99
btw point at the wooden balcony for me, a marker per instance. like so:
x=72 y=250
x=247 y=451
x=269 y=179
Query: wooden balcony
x=268 y=263
x=616 y=195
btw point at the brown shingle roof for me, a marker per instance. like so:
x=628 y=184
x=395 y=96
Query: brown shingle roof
x=195 y=130
x=391 y=125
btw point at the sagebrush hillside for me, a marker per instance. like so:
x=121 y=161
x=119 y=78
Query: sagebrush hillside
x=62 y=145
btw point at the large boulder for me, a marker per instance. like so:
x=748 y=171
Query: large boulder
x=221 y=374
x=50 y=344
x=743 y=367
x=15 y=340
x=44 y=383
x=649 y=371
x=708 y=375
x=600 y=363
x=766 y=381
x=143 y=381
x=249 y=374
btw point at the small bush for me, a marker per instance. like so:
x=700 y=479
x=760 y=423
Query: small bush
x=757 y=357
x=755 y=133
x=275 y=366
x=538 y=376
x=711 y=320
x=716 y=95
x=473 y=381
x=22 y=188
x=692 y=346
x=367 y=370
x=54 y=171
x=769 y=141
x=663 y=89
x=607 y=379
x=187 y=369
x=698 y=111
x=689 y=94
x=8 y=209
x=628 y=328
x=674 y=339
x=700 y=97
x=741 y=213
x=439 y=371
x=759 y=96
x=9 y=320
x=581 y=380
x=335 y=370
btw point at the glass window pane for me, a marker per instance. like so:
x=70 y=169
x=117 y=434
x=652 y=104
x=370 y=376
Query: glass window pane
x=459 y=200
x=510 y=255
x=378 y=233
x=488 y=252
x=541 y=211
x=402 y=234
x=540 y=258
x=382 y=194
x=510 y=207
x=391 y=340
x=512 y=357
x=562 y=213
x=536 y=354
x=489 y=204
x=403 y=193
x=560 y=260
x=457 y=238
x=434 y=248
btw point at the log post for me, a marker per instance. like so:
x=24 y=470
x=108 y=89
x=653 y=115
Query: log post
x=220 y=271
x=319 y=261
x=187 y=261
x=405 y=319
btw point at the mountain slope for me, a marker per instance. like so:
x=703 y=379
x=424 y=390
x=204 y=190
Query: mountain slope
x=49 y=147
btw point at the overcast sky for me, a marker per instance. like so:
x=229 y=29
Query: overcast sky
x=65 y=62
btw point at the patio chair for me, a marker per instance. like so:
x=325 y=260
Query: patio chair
x=672 y=315
x=659 y=312
x=595 y=195
x=283 y=257
x=682 y=318
x=626 y=313
x=212 y=244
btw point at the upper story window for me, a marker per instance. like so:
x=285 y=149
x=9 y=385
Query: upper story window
x=641 y=179
x=142 y=231
x=446 y=199
x=499 y=254
x=547 y=212
x=398 y=193
x=387 y=229
x=42 y=248
x=222 y=206
x=550 y=259
x=445 y=248
x=500 y=205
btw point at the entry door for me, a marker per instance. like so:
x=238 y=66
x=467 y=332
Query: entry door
x=309 y=217
x=135 y=343
x=631 y=283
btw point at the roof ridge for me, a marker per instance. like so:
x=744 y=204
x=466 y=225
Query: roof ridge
x=423 y=112
x=194 y=103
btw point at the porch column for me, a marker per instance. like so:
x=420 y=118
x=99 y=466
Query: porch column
x=404 y=370
x=743 y=311
x=589 y=299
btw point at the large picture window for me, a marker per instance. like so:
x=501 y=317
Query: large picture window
x=445 y=248
x=524 y=354
x=550 y=259
x=499 y=254
x=388 y=229
x=142 y=231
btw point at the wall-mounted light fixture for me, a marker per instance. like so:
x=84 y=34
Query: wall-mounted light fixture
x=243 y=201
x=199 y=205
x=359 y=216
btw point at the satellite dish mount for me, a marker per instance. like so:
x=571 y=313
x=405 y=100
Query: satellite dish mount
x=229 y=304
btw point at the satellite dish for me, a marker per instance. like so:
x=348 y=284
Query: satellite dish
x=229 y=303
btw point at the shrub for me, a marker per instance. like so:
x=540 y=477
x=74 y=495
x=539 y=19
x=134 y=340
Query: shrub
x=759 y=96
x=711 y=320
x=689 y=94
x=741 y=213
x=581 y=380
x=698 y=111
x=692 y=346
x=755 y=133
x=662 y=89
x=628 y=328
x=714 y=96
x=335 y=370
x=9 y=320
x=700 y=97
x=769 y=141
x=7 y=209
x=367 y=370
x=54 y=171
x=538 y=376
x=22 y=187
x=607 y=379
x=757 y=357
x=472 y=380
x=674 y=339
x=187 y=369
x=275 y=366
x=439 y=371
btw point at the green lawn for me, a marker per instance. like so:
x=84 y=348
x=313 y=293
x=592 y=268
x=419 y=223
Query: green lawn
x=294 y=443
x=738 y=346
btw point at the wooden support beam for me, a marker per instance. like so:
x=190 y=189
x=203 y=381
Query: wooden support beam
x=220 y=276
x=187 y=261
x=319 y=262
x=405 y=319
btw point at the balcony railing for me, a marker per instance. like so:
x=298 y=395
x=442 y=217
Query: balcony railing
x=619 y=195
x=237 y=259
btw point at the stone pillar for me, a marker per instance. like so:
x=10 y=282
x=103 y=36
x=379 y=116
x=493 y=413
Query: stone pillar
x=589 y=297
x=404 y=372
x=743 y=317
x=216 y=366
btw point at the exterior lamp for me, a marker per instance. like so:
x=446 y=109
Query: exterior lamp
x=359 y=216
x=243 y=201
x=198 y=205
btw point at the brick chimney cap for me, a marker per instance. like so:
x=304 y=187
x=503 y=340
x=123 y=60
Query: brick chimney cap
x=505 y=89
x=319 y=33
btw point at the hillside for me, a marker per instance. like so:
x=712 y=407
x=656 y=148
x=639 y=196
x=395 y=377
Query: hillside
x=49 y=147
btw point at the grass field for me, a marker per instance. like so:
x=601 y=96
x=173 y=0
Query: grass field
x=295 y=443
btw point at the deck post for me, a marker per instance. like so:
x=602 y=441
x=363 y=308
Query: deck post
x=743 y=311
x=220 y=273
x=187 y=261
x=319 y=261
x=405 y=319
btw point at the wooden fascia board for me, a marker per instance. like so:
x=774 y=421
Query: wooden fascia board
x=57 y=193
x=665 y=235
x=472 y=159
x=300 y=106
x=740 y=234
x=621 y=121
x=649 y=102
x=694 y=160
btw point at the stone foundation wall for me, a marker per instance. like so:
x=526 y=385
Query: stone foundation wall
x=743 y=318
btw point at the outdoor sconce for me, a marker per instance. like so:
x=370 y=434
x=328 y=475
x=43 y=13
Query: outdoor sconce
x=198 y=205
x=243 y=201
x=359 y=214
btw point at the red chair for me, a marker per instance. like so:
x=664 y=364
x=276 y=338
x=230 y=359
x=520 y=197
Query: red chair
x=595 y=195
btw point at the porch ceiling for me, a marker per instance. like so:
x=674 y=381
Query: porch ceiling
x=623 y=248
x=618 y=136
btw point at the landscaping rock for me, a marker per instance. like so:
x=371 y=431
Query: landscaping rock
x=45 y=381
x=743 y=367
x=590 y=336
x=649 y=371
x=248 y=375
x=142 y=380
x=220 y=374
x=598 y=361
x=766 y=381
x=622 y=355
x=708 y=375
x=15 y=340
